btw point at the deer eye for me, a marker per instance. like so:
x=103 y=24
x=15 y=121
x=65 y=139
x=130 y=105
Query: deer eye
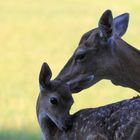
x=80 y=56
x=53 y=101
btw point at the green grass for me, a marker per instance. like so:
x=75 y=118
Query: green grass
x=32 y=32
x=19 y=135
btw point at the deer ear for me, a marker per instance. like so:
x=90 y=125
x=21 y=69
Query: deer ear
x=45 y=75
x=105 y=24
x=120 y=24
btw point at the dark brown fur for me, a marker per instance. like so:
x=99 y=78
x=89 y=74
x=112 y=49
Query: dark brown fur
x=105 y=56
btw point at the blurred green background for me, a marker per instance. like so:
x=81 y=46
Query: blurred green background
x=34 y=31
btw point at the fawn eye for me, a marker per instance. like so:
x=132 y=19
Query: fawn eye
x=53 y=101
x=80 y=56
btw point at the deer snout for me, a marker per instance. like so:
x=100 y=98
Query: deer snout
x=80 y=82
x=67 y=124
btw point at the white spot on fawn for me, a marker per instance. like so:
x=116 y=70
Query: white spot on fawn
x=90 y=137
x=82 y=129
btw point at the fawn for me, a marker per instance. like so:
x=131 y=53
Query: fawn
x=118 y=121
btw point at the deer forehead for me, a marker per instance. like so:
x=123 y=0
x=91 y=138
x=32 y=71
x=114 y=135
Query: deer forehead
x=92 y=37
x=93 y=34
x=89 y=36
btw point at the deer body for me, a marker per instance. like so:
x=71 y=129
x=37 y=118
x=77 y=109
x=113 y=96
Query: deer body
x=102 y=54
x=118 y=121
x=112 y=122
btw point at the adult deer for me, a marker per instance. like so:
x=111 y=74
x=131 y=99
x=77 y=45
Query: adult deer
x=102 y=54
x=119 y=121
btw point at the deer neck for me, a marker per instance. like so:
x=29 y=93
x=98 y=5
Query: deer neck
x=127 y=72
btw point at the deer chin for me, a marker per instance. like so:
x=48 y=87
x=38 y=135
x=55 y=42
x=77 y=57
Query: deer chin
x=60 y=122
x=61 y=126
x=91 y=80
x=64 y=125
x=85 y=84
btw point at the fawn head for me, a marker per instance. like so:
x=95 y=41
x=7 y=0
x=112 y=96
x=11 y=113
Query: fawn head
x=55 y=99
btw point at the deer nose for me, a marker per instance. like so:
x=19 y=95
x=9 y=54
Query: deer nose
x=68 y=124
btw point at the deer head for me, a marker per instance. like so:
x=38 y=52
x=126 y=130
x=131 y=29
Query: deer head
x=55 y=100
x=96 y=56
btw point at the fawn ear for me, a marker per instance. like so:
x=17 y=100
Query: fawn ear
x=45 y=75
x=120 y=24
x=105 y=24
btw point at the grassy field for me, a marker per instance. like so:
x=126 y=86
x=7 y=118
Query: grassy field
x=34 y=31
